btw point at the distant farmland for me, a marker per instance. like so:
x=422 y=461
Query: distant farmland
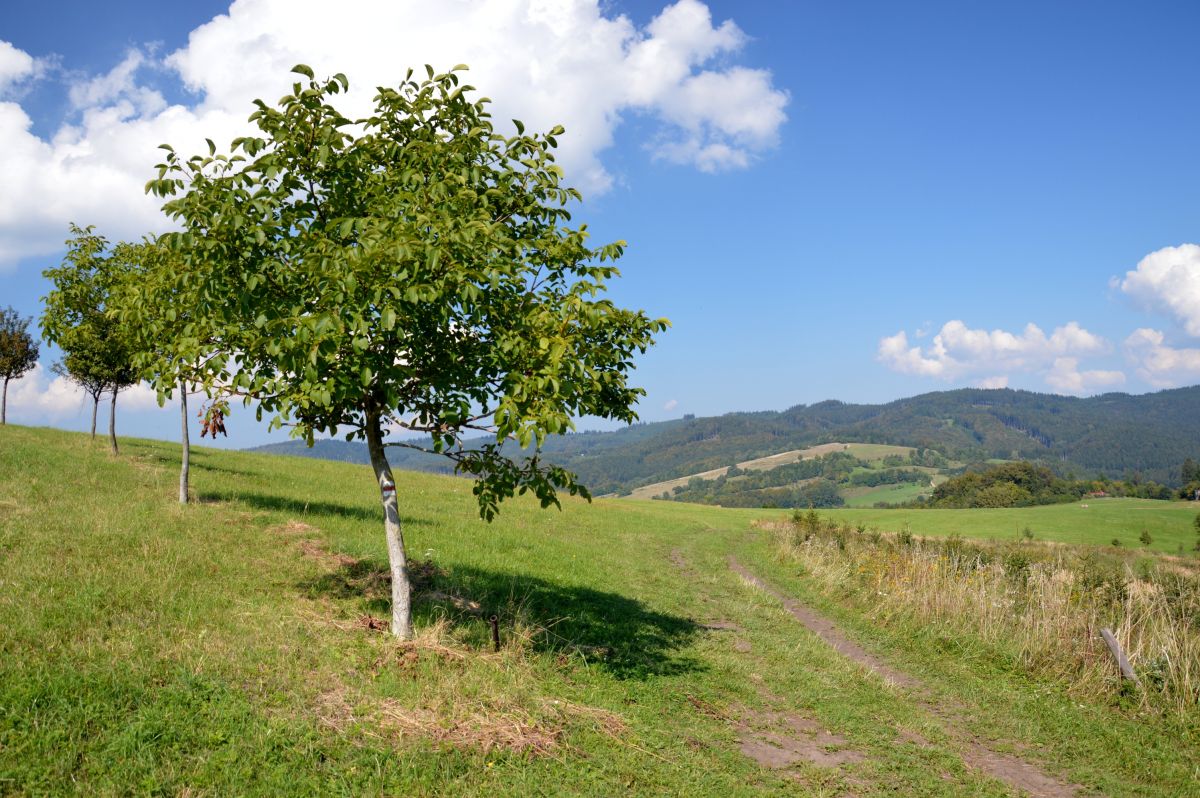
x=866 y=451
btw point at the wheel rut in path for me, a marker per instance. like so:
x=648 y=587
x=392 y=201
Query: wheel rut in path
x=1017 y=773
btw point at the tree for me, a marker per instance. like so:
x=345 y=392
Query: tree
x=18 y=353
x=410 y=270
x=161 y=331
x=74 y=368
x=77 y=318
x=1146 y=537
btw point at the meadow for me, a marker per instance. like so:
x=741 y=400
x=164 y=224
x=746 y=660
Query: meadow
x=1090 y=522
x=231 y=647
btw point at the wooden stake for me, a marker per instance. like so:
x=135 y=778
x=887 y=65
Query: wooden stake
x=1119 y=655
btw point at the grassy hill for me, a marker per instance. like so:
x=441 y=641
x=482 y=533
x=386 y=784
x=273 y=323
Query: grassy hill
x=227 y=648
x=1113 y=434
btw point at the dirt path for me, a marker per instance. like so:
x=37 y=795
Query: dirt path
x=1018 y=773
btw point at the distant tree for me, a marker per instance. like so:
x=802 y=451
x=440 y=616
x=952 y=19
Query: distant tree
x=18 y=353
x=411 y=270
x=77 y=319
x=75 y=368
x=1145 y=537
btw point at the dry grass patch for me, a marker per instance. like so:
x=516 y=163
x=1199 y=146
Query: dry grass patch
x=452 y=711
x=1044 y=605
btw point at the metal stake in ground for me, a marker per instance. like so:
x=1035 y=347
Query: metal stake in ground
x=495 y=621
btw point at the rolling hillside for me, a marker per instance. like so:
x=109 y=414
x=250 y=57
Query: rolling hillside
x=647 y=648
x=1112 y=434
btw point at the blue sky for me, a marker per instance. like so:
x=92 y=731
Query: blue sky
x=800 y=183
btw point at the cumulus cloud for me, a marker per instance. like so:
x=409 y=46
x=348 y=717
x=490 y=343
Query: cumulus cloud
x=958 y=351
x=671 y=404
x=41 y=394
x=1169 y=280
x=15 y=66
x=1064 y=376
x=545 y=63
x=1158 y=362
x=998 y=381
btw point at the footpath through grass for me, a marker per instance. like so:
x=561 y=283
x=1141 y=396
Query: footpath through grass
x=225 y=648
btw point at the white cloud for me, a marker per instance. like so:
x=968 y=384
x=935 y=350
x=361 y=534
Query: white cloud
x=544 y=61
x=957 y=350
x=143 y=397
x=1159 y=363
x=998 y=381
x=671 y=404
x=119 y=86
x=1064 y=376
x=1169 y=280
x=15 y=66
x=40 y=394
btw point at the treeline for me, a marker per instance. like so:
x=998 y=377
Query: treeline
x=1120 y=436
x=1025 y=484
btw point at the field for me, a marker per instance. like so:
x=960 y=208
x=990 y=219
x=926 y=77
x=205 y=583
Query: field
x=871 y=452
x=227 y=648
x=892 y=494
x=1170 y=524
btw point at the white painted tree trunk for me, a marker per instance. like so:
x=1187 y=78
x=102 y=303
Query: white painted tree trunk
x=95 y=409
x=187 y=446
x=401 y=589
x=112 y=420
x=4 y=403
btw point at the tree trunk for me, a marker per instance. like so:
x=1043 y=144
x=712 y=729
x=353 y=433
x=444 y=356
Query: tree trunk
x=187 y=447
x=95 y=408
x=401 y=590
x=4 y=403
x=112 y=420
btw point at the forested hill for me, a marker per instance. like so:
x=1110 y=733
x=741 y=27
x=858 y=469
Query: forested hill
x=1114 y=434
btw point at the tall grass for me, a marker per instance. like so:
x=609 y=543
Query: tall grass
x=1042 y=605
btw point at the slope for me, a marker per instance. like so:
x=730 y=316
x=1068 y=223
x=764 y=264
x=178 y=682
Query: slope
x=227 y=648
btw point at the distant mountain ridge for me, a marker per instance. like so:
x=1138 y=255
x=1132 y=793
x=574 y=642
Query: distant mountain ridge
x=1114 y=434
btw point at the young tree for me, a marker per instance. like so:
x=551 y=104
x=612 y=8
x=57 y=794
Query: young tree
x=77 y=318
x=410 y=270
x=76 y=368
x=160 y=329
x=18 y=353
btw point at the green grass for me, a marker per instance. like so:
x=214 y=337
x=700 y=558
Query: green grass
x=875 y=452
x=1170 y=524
x=893 y=494
x=217 y=649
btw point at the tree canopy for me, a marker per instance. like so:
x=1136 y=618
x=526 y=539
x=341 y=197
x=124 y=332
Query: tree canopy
x=78 y=315
x=18 y=352
x=414 y=270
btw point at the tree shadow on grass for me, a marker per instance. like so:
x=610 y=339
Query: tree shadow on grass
x=616 y=633
x=298 y=507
